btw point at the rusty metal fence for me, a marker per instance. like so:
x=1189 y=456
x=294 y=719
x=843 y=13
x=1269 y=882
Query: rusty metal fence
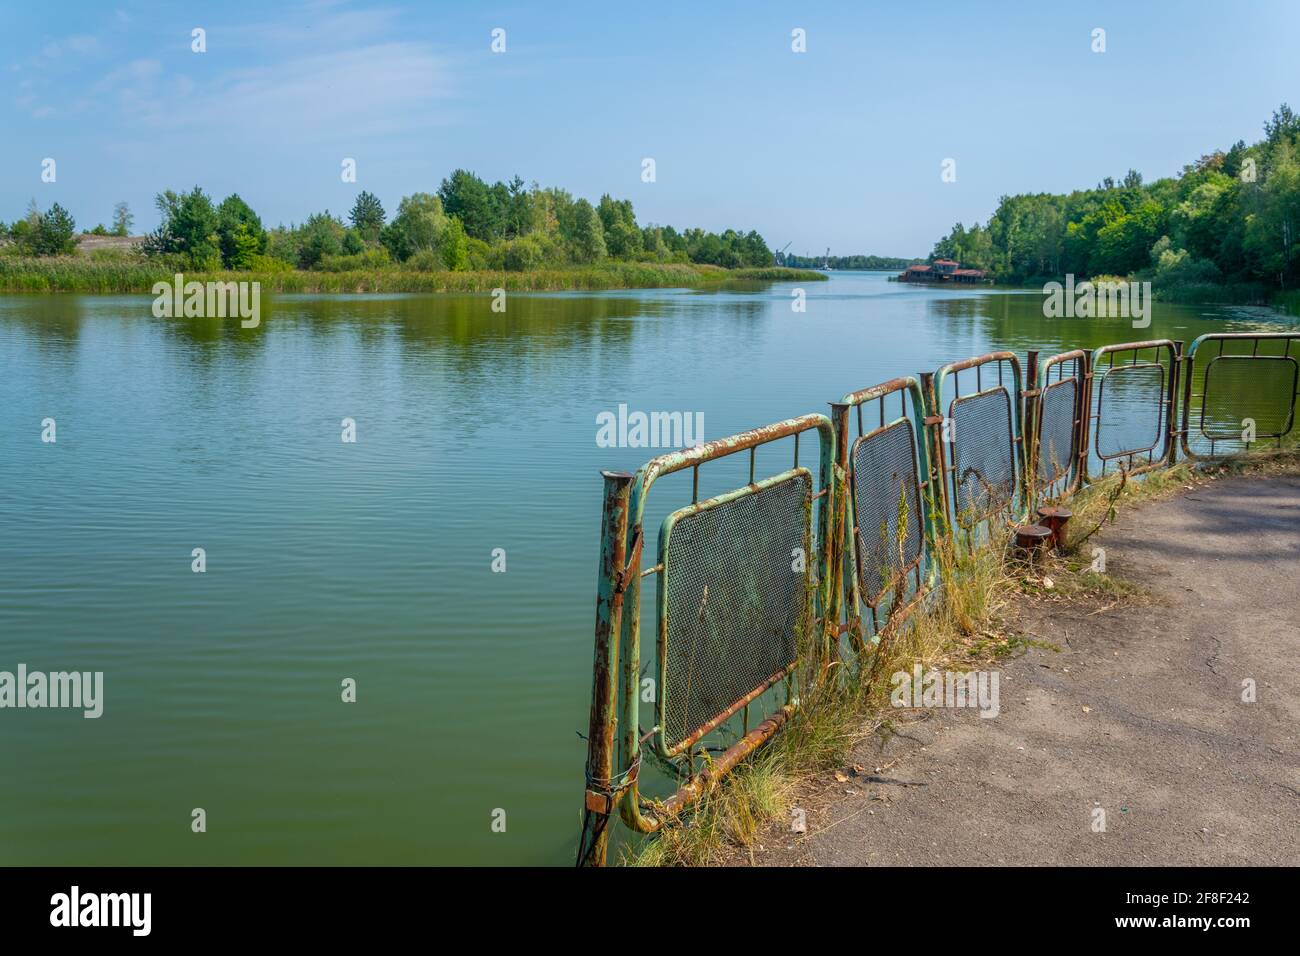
x=1239 y=392
x=981 y=438
x=822 y=557
x=1056 y=425
x=886 y=516
x=1132 y=413
x=741 y=596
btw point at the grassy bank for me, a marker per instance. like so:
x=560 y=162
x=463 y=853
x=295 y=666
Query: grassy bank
x=972 y=625
x=1213 y=293
x=137 y=274
x=1288 y=302
x=1183 y=293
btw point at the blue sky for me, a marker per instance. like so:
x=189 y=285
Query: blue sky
x=840 y=146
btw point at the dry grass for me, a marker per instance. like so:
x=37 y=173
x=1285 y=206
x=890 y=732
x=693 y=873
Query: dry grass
x=837 y=713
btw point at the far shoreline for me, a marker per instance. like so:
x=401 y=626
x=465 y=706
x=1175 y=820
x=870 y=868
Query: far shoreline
x=74 y=274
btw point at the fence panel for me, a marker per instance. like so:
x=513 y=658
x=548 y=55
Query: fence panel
x=1056 y=418
x=733 y=610
x=981 y=437
x=1239 y=392
x=1134 y=389
x=887 y=508
x=742 y=588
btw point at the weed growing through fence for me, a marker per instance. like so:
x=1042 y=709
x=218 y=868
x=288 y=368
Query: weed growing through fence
x=840 y=706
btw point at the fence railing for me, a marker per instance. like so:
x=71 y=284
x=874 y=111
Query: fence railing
x=1240 y=390
x=887 y=514
x=751 y=582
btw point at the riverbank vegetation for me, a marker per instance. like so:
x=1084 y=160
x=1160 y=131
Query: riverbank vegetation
x=451 y=240
x=1225 y=229
x=135 y=273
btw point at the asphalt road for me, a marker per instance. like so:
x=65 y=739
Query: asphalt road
x=1140 y=715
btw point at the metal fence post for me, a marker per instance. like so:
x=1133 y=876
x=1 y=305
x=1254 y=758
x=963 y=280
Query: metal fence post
x=1031 y=397
x=1084 y=419
x=1175 y=372
x=937 y=480
x=837 y=566
x=601 y=794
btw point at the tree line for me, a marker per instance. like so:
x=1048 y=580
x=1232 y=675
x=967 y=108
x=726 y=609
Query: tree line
x=1229 y=217
x=856 y=263
x=468 y=224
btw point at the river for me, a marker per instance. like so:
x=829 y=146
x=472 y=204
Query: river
x=373 y=560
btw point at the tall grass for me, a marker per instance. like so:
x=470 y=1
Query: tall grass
x=1288 y=302
x=836 y=713
x=1213 y=293
x=135 y=274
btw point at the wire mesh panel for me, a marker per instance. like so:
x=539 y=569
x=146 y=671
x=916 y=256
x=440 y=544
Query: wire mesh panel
x=983 y=455
x=885 y=485
x=735 y=599
x=1239 y=393
x=1056 y=430
x=1239 y=389
x=1130 y=409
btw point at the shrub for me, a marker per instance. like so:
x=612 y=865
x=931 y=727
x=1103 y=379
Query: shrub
x=269 y=264
x=426 y=260
x=368 y=259
x=522 y=255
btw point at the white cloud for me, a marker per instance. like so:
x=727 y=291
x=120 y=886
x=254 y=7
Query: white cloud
x=318 y=70
x=81 y=44
x=372 y=90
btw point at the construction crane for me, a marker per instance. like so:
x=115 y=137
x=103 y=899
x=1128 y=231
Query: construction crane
x=826 y=264
x=779 y=256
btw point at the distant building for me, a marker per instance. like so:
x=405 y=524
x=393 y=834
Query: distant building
x=942 y=270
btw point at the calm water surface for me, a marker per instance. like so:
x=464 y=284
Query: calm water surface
x=325 y=560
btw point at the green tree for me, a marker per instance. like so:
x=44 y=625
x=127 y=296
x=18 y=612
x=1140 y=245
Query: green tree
x=122 y=219
x=50 y=234
x=240 y=235
x=353 y=244
x=1123 y=245
x=1272 y=232
x=245 y=246
x=618 y=223
x=367 y=216
x=1284 y=127
x=452 y=244
x=583 y=233
x=518 y=209
x=420 y=220
x=474 y=203
x=188 y=228
x=523 y=254
x=321 y=235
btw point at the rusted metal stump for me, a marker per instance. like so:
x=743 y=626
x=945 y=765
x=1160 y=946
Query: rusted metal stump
x=1030 y=540
x=1054 y=518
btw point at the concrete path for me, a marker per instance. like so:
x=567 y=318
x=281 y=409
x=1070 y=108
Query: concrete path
x=1140 y=714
